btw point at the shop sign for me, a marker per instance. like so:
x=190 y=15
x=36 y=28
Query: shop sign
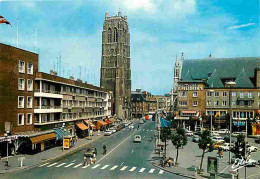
x=239 y=163
x=239 y=123
x=66 y=143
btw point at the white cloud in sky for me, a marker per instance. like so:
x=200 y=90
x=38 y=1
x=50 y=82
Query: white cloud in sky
x=241 y=26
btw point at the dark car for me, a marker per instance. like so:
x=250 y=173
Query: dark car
x=119 y=127
x=195 y=138
x=90 y=152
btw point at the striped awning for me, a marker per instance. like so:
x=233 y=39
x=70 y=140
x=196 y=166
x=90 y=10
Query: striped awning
x=60 y=133
x=82 y=126
x=42 y=138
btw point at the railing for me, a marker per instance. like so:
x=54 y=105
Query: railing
x=48 y=91
x=48 y=107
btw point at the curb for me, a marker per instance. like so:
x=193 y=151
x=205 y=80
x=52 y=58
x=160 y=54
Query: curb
x=176 y=173
x=70 y=152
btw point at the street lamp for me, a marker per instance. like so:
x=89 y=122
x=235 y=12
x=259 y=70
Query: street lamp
x=211 y=92
x=230 y=84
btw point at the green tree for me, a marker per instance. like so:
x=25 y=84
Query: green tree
x=165 y=136
x=239 y=149
x=179 y=139
x=206 y=144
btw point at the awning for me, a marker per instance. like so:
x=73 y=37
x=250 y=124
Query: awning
x=190 y=112
x=100 y=123
x=90 y=123
x=42 y=138
x=112 y=119
x=60 y=133
x=108 y=121
x=82 y=126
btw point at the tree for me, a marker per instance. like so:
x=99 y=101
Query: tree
x=165 y=135
x=206 y=144
x=239 y=149
x=179 y=139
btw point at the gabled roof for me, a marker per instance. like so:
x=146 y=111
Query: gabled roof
x=243 y=80
x=214 y=80
x=137 y=97
x=226 y=67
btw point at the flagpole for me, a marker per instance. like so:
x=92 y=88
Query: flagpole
x=17 y=37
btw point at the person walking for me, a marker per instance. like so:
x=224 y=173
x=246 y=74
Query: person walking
x=90 y=161
x=94 y=158
x=104 y=149
x=85 y=161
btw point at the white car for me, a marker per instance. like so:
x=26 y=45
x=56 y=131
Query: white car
x=131 y=126
x=217 y=139
x=237 y=133
x=126 y=124
x=225 y=146
x=251 y=162
x=223 y=131
x=108 y=133
x=113 y=130
x=189 y=133
x=137 y=138
x=251 y=148
x=214 y=133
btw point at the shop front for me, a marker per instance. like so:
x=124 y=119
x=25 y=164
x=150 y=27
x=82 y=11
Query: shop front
x=81 y=130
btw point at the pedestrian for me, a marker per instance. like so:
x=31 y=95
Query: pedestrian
x=94 y=158
x=221 y=153
x=138 y=127
x=85 y=161
x=90 y=161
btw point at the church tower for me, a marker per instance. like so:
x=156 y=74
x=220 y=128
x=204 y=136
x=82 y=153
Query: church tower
x=115 y=63
x=177 y=71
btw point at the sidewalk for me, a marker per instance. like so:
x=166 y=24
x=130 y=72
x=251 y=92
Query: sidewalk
x=189 y=159
x=47 y=155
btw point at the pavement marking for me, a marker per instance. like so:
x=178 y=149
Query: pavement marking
x=43 y=164
x=132 y=151
x=161 y=172
x=104 y=167
x=142 y=170
x=151 y=130
x=122 y=163
x=52 y=164
x=73 y=160
x=147 y=130
x=144 y=136
x=86 y=166
x=132 y=169
x=78 y=165
x=114 y=167
x=151 y=171
x=104 y=142
x=96 y=166
x=60 y=165
x=224 y=169
x=69 y=165
x=123 y=168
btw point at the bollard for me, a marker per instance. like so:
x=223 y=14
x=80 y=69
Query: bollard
x=21 y=159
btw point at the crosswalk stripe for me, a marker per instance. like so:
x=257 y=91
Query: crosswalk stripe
x=151 y=171
x=123 y=168
x=51 y=165
x=151 y=130
x=43 y=164
x=104 y=167
x=114 y=167
x=161 y=172
x=78 y=165
x=86 y=166
x=132 y=169
x=96 y=166
x=142 y=170
x=69 y=165
x=60 y=165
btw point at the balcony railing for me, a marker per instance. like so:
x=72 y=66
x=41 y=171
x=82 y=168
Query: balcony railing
x=48 y=107
x=48 y=91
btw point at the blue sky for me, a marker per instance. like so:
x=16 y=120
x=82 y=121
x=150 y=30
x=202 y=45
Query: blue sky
x=159 y=30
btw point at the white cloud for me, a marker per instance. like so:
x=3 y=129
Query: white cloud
x=240 y=26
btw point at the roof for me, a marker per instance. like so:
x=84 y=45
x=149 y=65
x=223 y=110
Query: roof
x=60 y=132
x=137 y=97
x=82 y=126
x=42 y=138
x=200 y=68
x=243 y=80
x=214 y=80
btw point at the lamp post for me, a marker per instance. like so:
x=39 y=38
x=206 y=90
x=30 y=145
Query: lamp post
x=211 y=94
x=230 y=84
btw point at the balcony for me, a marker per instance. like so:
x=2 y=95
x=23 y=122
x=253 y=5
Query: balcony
x=246 y=98
x=48 y=109
x=48 y=94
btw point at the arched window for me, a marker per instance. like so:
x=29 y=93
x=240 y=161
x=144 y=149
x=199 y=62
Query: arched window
x=109 y=35
x=115 y=35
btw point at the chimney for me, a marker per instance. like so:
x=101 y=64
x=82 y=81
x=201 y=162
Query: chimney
x=72 y=78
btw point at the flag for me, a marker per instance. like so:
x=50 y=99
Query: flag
x=197 y=115
x=3 y=20
x=217 y=114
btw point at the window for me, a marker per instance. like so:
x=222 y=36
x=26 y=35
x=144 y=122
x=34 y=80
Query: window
x=29 y=102
x=195 y=94
x=183 y=93
x=195 y=103
x=21 y=67
x=29 y=118
x=115 y=35
x=21 y=84
x=208 y=103
x=241 y=103
x=30 y=68
x=109 y=35
x=20 y=102
x=209 y=93
x=250 y=103
x=250 y=94
x=234 y=94
x=224 y=94
x=216 y=94
x=215 y=103
x=183 y=103
x=29 y=85
x=20 y=119
x=224 y=103
x=242 y=94
x=234 y=103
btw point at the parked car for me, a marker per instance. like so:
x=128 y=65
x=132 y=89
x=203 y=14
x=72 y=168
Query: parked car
x=141 y=121
x=214 y=133
x=90 y=152
x=108 y=133
x=131 y=126
x=235 y=134
x=223 y=131
x=113 y=129
x=119 y=127
x=137 y=138
x=195 y=138
x=218 y=139
x=189 y=133
x=126 y=124
x=250 y=148
x=226 y=146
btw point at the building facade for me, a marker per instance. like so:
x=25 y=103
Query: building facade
x=115 y=63
x=204 y=93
